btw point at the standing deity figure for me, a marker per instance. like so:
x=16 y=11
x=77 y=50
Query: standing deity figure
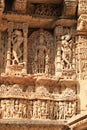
x=17 y=41
x=41 y=54
x=66 y=50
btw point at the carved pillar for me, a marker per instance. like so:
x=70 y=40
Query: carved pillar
x=25 y=31
x=82 y=40
x=10 y=28
x=58 y=33
x=58 y=60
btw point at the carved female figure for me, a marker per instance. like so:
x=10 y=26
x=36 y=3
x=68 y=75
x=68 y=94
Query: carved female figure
x=66 y=51
x=17 y=41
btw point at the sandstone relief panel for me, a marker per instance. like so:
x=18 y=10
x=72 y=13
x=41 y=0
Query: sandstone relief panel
x=43 y=54
x=41 y=104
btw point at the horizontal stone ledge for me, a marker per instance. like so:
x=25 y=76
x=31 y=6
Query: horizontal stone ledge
x=36 y=81
x=39 y=98
x=82 y=32
x=65 y=22
x=46 y=1
x=33 y=122
x=32 y=21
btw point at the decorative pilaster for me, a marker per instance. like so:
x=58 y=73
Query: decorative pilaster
x=8 y=63
x=58 y=70
x=82 y=40
x=58 y=33
x=25 y=31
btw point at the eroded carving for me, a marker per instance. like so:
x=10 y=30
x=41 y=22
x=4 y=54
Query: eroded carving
x=16 y=54
x=82 y=9
x=82 y=23
x=66 y=50
x=20 y=6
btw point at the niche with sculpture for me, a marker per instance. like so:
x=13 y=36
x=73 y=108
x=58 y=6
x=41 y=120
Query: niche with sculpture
x=16 y=55
x=41 y=52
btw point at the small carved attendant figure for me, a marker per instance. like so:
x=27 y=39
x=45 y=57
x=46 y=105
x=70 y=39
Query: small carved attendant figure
x=35 y=110
x=24 y=108
x=8 y=107
x=16 y=110
x=43 y=110
x=56 y=110
x=20 y=110
x=61 y=110
x=17 y=41
x=3 y=108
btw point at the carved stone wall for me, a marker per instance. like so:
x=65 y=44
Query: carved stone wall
x=43 y=63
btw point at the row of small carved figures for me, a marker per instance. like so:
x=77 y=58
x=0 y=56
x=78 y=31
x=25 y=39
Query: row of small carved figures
x=39 y=109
